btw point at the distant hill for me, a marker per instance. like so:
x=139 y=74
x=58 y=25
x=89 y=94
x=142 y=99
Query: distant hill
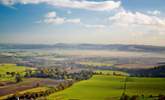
x=114 y=47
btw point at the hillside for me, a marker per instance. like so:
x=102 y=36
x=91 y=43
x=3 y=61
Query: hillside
x=115 y=47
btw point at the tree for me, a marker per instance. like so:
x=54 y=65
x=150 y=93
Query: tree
x=7 y=73
x=28 y=73
x=18 y=78
x=12 y=74
x=124 y=97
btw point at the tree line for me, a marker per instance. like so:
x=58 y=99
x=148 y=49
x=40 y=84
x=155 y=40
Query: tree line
x=142 y=97
x=59 y=74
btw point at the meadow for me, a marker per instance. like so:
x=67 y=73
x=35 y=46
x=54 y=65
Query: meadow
x=108 y=87
x=11 y=68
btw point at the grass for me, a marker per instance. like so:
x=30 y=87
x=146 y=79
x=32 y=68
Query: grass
x=10 y=68
x=97 y=88
x=146 y=86
x=102 y=87
x=110 y=72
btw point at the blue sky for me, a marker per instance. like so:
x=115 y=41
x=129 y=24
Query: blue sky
x=82 y=21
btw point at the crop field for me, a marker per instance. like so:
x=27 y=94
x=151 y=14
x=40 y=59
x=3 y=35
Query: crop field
x=106 y=87
x=10 y=68
x=37 y=89
x=33 y=90
x=26 y=84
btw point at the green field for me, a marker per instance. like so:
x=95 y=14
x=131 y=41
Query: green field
x=106 y=87
x=10 y=68
x=110 y=72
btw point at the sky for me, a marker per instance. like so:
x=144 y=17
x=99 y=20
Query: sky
x=82 y=21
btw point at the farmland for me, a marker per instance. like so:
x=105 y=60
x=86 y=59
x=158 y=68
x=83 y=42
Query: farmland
x=4 y=68
x=102 y=87
x=11 y=67
x=26 y=84
x=82 y=49
x=64 y=76
x=110 y=72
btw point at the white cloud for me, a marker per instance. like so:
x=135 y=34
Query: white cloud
x=74 y=21
x=51 y=14
x=128 y=18
x=155 y=12
x=52 y=18
x=81 y=4
x=137 y=23
x=94 y=26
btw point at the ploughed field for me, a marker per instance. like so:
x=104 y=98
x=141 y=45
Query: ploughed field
x=26 y=84
x=108 y=87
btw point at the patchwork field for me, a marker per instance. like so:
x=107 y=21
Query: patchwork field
x=95 y=64
x=26 y=84
x=106 y=87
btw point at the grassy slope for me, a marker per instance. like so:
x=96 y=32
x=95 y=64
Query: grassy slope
x=10 y=68
x=100 y=87
x=97 y=88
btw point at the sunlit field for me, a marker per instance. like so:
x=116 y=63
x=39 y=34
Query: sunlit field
x=104 y=87
x=4 y=68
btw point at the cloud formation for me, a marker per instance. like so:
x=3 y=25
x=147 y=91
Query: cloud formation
x=51 y=14
x=94 y=26
x=155 y=12
x=52 y=18
x=137 y=22
x=127 y=18
x=80 y=4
